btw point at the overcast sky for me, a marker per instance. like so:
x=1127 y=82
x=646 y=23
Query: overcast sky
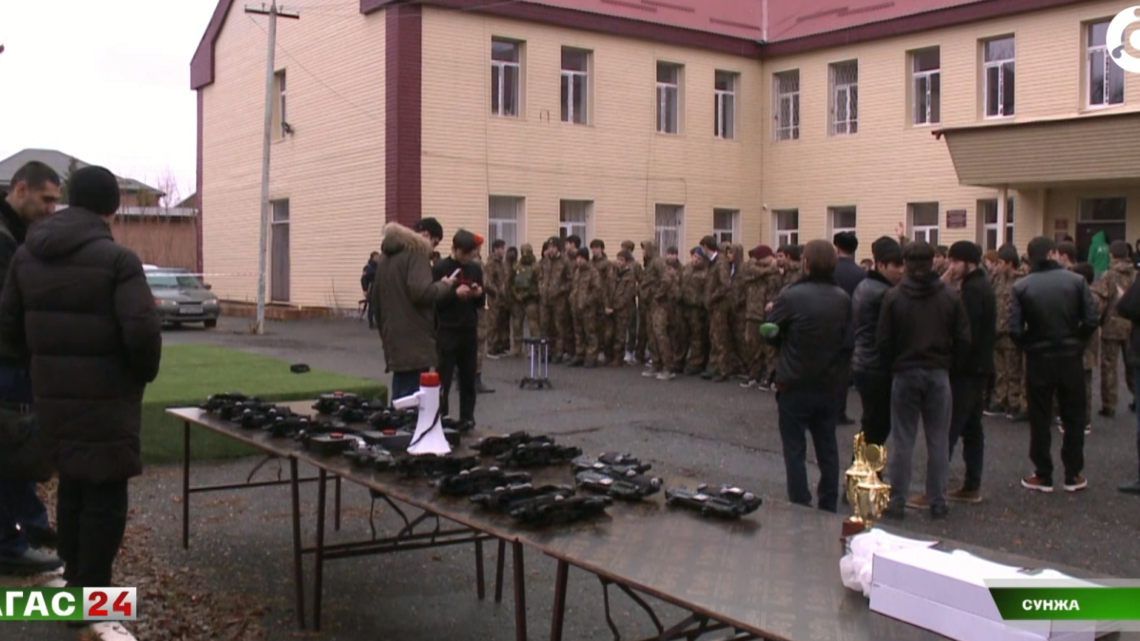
x=106 y=81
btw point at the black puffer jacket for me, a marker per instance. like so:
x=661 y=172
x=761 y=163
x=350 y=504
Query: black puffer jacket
x=981 y=309
x=812 y=315
x=866 y=304
x=79 y=305
x=1052 y=312
x=923 y=325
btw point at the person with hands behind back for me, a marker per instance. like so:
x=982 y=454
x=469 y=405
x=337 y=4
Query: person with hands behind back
x=457 y=323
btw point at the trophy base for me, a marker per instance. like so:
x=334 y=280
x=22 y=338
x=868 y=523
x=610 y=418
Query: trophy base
x=851 y=527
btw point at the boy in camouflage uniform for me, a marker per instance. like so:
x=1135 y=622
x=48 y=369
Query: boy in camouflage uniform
x=678 y=330
x=622 y=303
x=1108 y=290
x=524 y=291
x=718 y=302
x=694 y=278
x=737 y=317
x=495 y=277
x=554 y=296
x=762 y=279
x=657 y=286
x=585 y=303
x=1009 y=368
x=1092 y=346
x=605 y=323
x=637 y=335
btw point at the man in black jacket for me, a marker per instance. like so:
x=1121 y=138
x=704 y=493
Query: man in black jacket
x=923 y=334
x=1129 y=309
x=1052 y=314
x=872 y=376
x=78 y=303
x=848 y=275
x=812 y=315
x=457 y=314
x=24 y=521
x=968 y=383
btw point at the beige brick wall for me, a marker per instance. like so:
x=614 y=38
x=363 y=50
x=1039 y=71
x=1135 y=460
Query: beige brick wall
x=618 y=160
x=890 y=162
x=331 y=169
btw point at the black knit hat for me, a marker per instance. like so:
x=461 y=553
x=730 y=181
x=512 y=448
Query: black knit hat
x=966 y=251
x=95 y=189
x=886 y=250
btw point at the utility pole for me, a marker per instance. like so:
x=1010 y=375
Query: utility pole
x=262 y=244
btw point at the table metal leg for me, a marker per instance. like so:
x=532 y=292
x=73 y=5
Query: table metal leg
x=479 y=570
x=185 y=485
x=319 y=552
x=499 y=563
x=336 y=507
x=559 y=617
x=520 y=591
x=298 y=564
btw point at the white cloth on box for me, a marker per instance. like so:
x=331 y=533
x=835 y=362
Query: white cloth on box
x=855 y=566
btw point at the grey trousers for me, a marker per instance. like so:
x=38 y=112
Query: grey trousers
x=920 y=394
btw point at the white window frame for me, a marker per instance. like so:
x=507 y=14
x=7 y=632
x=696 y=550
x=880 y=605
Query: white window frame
x=731 y=233
x=666 y=92
x=281 y=84
x=569 y=99
x=929 y=233
x=786 y=235
x=509 y=230
x=833 y=214
x=725 y=127
x=999 y=64
x=989 y=206
x=845 y=93
x=1109 y=70
x=785 y=95
x=926 y=79
x=581 y=228
x=499 y=70
x=666 y=235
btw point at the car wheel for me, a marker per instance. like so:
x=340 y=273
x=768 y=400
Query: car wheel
x=211 y=324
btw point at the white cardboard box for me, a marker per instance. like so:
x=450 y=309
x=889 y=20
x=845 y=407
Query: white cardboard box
x=945 y=593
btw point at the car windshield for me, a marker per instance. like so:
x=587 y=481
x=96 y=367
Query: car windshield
x=169 y=280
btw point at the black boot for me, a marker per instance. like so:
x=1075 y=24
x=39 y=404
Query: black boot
x=480 y=388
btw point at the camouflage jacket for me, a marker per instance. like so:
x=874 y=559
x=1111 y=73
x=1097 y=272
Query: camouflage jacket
x=1002 y=283
x=525 y=277
x=585 y=292
x=606 y=269
x=623 y=289
x=556 y=279
x=658 y=280
x=678 y=275
x=693 y=283
x=739 y=288
x=792 y=274
x=719 y=281
x=1108 y=290
x=495 y=277
x=762 y=285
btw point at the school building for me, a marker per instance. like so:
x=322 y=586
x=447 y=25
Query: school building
x=761 y=121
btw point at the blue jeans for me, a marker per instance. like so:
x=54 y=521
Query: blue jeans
x=19 y=504
x=404 y=384
x=920 y=395
x=803 y=412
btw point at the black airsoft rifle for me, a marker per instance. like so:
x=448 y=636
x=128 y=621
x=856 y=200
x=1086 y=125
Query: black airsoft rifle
x=260 y=417
x=627 y=487
x=504 y=499
x=217 y=403
x=479 y=480
x=550 y=509
x=374 y=456
x=612 y=464
x=727 y=502
x=328 y=443
x=537 y=454
x=434 y=465
x=286 y=426
x=499 y=445
x=348 y=407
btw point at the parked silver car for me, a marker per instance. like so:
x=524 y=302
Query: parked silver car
x=181 y=297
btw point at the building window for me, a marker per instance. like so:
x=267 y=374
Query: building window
x=668 y=98
x=923 y=218
x=992 y=236
x=998 y=68
x=506 y=56
x=844 y=98
x=787 y=107
x=1106 y=215
x=841 y=219
x=282 y=125
x=504 y=213
x=726 y=222
x=575 y=85
x=726 y=104
x=574 y=219
x=667 y=226
x=787 y=225
x=1106 y=78
x=927 y=86
x=279 y=260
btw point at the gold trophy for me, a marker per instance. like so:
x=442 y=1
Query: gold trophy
x=866 y=493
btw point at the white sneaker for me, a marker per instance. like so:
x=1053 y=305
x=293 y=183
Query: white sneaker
x=649 y=373
x=666 y=376
x=629 y=359
x=749 y=383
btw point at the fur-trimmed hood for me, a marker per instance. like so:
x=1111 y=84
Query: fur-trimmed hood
x=398 y=238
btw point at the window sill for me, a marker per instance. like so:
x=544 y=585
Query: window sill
x=1100 y=108
x=665 y=134
x=998 y=118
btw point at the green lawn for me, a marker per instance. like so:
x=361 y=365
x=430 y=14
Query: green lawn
x=190 y=373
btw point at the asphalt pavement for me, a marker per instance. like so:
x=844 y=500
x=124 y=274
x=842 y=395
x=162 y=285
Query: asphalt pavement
x=684 y=427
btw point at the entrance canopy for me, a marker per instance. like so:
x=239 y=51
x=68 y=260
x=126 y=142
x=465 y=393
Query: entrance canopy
x=1100 y=148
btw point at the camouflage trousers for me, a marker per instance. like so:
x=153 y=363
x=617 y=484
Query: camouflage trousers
x=660 y=343
x=761 y=355
x=697 y=326
x=568 y=343
x=1111 y=352
x=499 y=327
x=606 y=335
x=739 y=350
x=1009 y=375
x=720 y=338
x=624 y=322
x=641 y=342
x=679 y=335
x=528 y=311
x=552 y=317
x=586 y=334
